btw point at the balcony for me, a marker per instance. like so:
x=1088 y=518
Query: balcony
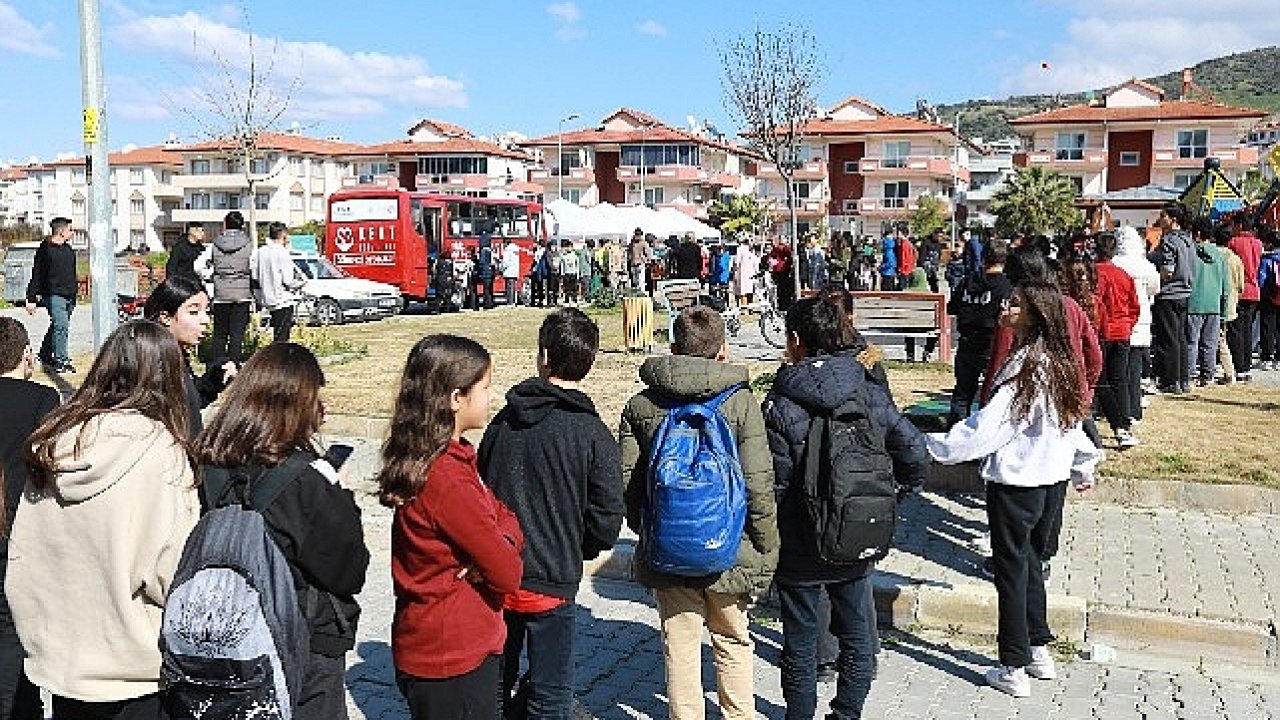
x=913 y=165
x=552 y=176
x=699 y=212
x=168 y=190
x=224 y=181
x=893 y=207
x=216 y=215
x=1090 y=159
x=447 y=183
x=808 y=170
x=1230 y=155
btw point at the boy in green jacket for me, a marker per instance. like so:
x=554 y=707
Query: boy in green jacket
x=1206 y=306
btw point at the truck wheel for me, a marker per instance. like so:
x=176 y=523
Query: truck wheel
x=327 y=312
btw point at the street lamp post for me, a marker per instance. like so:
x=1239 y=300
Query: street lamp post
x=102 y=271
x=560 y=153
x=955 y=181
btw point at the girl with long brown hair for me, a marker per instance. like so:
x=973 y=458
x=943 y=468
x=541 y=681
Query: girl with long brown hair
x=110 y=500
x=455 y=549
x=1030 y=439
x=268 y=423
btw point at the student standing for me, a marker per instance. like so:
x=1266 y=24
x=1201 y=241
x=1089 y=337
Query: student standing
x=1131 y=256
x=180 y=305
x=511 y=272
x=279 y=281
x=26 y=404
x=87 y=581
x=185 y=252
x=1174 y=258
x=1117 y=308
x=1031 y=443
x=232 y=297
x=1248 y=248
x=549 y=458
x=53 y=286
x=455 y=548
x=1205 y=306
x=976 y=303
x=696 y=371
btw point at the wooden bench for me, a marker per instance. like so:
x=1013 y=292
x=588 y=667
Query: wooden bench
x=674 y=296
x=904 y=315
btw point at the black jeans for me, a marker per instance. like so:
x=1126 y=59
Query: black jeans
x=281 y=324
x=230 y=320
x=1240 y=336
x=482 y=291
x=1269 y=326
x=553 y=290
x=147 y=707
x=537 y=291
x=546 y=691
x=1113 y=388
x=1021 y=522
x=852 y=613
x=470 y=696
x=1138 y=359
x=1169 y=340
x=930 y=344
x=19 y=699
x=324 y=691
x=972 y=357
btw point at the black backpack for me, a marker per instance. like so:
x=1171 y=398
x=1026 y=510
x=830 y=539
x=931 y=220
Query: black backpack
x=848 y=485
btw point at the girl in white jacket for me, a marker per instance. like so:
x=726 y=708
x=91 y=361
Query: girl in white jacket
x=1031 y=443
x=1131 y=256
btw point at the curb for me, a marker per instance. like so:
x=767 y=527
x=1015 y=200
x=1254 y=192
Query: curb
x=972 y=610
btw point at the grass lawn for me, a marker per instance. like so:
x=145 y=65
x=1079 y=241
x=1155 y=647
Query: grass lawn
x=1215 y=434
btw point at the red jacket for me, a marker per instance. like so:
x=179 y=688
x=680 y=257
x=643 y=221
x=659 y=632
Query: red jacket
x=445 y=626
x=1249 y=249
x=907 y=256
x=1084 y=344
x=1116 y=303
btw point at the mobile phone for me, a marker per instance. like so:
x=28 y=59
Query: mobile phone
x=337 y=455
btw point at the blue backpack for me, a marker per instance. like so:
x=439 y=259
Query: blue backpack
x=697 y=502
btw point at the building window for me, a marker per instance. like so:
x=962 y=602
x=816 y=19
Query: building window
x=1069 y=146
x=137 y=238
x=317 y=203
x=262 y=201
x=135 y=176
x=655 y=155
x=295 y=201
x=802 y=190
x=895 y=153
x=77 y=206
x=137 y=207
x=1193 y=143
x=199 y=167
x=201 y=201
x=573 y=195
x=1130 y=159
x=653 y=196
x=850 y=167
x=295 y=166
x=259 y=166
x=569 y=161
x=453 y=166
x=166 y=177
x=1183 y=179
x=896 y=193
x=849 y=206
x=77 y=176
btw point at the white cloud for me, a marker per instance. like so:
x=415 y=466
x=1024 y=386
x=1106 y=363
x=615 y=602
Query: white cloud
x=19 y=35
x=332 y=83
x=568 y=17
x=1108 y=41
x=565 y=12
x=653 y=28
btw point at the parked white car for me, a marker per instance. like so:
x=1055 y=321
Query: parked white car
x=332 y=297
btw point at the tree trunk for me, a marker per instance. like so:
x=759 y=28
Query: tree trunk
x=795 y=231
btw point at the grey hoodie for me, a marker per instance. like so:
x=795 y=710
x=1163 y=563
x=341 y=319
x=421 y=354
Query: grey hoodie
x=232 y=251
x=1176 y=255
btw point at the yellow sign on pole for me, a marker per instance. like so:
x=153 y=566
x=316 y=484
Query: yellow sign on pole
x=91 y=126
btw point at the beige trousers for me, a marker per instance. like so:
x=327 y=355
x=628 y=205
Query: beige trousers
x=684 y=612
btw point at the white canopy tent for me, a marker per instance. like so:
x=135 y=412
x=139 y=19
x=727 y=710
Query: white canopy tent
x=568 y=220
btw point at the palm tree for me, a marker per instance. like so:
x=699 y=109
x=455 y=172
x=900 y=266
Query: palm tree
x=739 y=214
x=1035 y=201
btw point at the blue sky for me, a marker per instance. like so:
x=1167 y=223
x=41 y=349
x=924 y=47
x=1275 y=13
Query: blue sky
x=366 y=71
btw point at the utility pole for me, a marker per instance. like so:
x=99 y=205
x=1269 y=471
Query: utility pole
x=102 y=255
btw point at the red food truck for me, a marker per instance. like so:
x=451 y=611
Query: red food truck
x=380 y=231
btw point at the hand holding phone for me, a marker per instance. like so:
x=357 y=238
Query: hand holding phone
x=337 y=454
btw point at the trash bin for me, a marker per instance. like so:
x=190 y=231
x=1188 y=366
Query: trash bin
x=18 y=261
x=126 y=279
x=637 y=322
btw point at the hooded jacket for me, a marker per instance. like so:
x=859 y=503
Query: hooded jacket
x=551 y=460
x=1210 y=282
x=1248 y=248
x=675 y=380
x=1131 y=256
x=819 y=385
x=92 y=556
x=1116 y=302
x=1175 y=257
x=231 y=254
x=976 y=305
x=1269 y=276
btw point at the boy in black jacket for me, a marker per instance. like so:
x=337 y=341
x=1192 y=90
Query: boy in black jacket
x=977 y=303
x=549 y=457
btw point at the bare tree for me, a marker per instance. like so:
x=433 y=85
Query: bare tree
x=236 y=103
x=770 y=79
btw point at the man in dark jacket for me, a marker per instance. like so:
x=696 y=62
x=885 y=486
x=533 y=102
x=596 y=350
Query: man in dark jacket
x=1175 y=259
x=819 y=380
x=486 y=266
x=976 y=304
x=549 y=458
x=185 y=252
x=931 y=258
x=53 y=285
x=232 y=298
x=696 y=371
x=688 y=259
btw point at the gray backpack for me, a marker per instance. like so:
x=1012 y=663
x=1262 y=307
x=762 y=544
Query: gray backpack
x=234 y=643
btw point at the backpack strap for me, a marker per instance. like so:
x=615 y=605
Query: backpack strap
x=714 y=403
x=266 y=486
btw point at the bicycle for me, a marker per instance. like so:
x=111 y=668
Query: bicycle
x=773 y=325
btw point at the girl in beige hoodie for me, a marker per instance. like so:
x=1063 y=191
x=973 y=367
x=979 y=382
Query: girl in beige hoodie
x=109 y=504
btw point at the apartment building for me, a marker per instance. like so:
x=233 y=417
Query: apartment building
x=861 y=168
x=14 y=196
x=1132 y=137
x=446 y=158
x=632 y=158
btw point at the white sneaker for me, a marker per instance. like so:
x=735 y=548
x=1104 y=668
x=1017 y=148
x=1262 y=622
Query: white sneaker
x=1125 y=439
x=1011 y=680
x=1042 y=666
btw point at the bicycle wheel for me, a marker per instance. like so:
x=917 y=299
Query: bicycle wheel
x=773 y=327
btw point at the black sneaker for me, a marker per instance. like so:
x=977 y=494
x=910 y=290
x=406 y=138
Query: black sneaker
x=65 y=368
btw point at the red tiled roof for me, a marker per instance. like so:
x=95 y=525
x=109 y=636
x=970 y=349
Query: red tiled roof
x=444 y=128
x=1140 y=83
x=887 y=124
x=284 y=142
x=654 y=131
x=855 y=100
x=1169 y=110
x=151 y=155
x=12 y=173
x=452 y=146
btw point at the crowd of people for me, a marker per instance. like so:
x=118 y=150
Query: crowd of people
x=118 y=617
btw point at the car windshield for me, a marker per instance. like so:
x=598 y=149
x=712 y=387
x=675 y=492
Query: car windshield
x=318 y=268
